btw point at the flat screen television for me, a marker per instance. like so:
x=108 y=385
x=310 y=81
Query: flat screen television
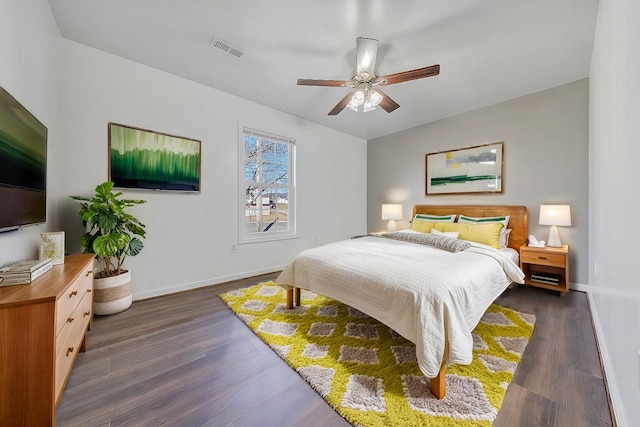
x=23 y=166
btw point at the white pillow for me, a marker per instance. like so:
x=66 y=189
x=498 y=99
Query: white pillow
x=435 y=218
x=408 y=230
x=503 y=240
x=452 y=234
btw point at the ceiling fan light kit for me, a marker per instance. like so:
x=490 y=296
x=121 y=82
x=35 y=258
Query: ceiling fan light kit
x=366 y=77
x=367 y=97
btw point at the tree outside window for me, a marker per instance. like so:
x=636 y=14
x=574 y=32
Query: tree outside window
x=267 y=187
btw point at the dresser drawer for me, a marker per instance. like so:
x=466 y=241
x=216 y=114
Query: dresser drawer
x=553 y=260
x=71 y=298
x=69 y=340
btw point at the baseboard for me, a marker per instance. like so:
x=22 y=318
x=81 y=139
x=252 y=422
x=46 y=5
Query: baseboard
x=579 y=287
x=609 y=380
x=182 y=287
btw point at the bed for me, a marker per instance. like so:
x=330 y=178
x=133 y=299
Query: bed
x=430 y=296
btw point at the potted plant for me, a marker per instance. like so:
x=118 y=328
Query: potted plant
x=112 y=234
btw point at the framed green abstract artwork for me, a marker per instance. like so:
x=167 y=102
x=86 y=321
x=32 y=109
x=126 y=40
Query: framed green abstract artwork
x=475 y=169
x=144 y=159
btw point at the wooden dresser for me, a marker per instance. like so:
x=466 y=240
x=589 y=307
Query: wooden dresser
x=42 y=327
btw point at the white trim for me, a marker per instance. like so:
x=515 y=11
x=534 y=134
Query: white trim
x=609 y=378
x=163 y=291
x=597 y=290
x=579 y=287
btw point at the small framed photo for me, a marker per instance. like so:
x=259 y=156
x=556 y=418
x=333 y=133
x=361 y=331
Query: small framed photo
x=52 y=246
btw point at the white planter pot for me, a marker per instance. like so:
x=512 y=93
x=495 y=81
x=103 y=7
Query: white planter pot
x=112 y=294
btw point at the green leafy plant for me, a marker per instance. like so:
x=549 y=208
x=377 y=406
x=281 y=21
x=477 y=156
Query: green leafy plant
x=112 y=233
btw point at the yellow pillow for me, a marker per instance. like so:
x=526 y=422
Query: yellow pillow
x=423 y=226
x=485 y=233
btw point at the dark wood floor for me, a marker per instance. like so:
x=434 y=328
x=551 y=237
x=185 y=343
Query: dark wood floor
x=186 y=360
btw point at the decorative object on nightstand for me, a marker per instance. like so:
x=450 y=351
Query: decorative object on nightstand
x=391 y=212
x=555 y=215
x=546 y=267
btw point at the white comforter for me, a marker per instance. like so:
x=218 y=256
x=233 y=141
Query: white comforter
x=427 y=295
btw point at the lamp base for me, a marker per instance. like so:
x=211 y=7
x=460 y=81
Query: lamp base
x=554 y=238
x=391 y=226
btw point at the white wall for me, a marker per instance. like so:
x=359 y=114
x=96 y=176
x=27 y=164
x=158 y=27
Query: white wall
x=545 y=139
x=190 y=235
x=615 y=199
x=75 y=91
x=29 y=70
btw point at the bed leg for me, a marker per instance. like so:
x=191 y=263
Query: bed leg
x=296 y=294
x=290 y=298
x=438 y=384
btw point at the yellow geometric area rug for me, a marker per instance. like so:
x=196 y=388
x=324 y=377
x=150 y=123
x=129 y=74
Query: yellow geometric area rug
x=369 y=374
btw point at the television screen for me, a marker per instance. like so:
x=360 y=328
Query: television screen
x=23 y=165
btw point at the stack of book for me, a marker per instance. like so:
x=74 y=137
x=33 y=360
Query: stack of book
x=548 y=278
x=23 y=272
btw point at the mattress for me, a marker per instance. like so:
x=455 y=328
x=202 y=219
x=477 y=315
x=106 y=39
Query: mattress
x=430 y=296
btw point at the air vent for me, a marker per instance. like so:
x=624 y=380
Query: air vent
x=226 y=47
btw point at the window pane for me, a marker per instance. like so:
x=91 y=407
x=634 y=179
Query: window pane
x=250 y=170
x=282 y=176
x=269 y=172
x=250 y=146
x=268 y=151
x=282 y=153
x=282 y=209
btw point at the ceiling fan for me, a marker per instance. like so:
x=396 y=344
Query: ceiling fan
x=365 y=80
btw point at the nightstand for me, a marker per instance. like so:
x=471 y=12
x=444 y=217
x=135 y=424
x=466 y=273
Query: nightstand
x=546 y=267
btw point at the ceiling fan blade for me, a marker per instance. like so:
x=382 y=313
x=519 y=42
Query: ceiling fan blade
x=405 y=76
x=366 y=51
x=313 y=82
x=387 y=104
x=340 y=105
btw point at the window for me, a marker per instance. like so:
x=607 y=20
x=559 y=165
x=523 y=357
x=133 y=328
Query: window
x=267 y=187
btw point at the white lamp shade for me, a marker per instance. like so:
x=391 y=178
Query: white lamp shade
x=391 y=212
x=555 y=215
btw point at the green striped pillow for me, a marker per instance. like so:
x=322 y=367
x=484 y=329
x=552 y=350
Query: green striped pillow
x=473 y=220
x=435 y=218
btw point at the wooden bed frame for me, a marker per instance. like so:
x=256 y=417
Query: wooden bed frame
x=518 y=223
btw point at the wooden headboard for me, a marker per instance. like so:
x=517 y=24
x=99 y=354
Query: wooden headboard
x=518 y=223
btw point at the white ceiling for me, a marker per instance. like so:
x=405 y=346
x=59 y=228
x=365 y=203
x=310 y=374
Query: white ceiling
x=488 y=50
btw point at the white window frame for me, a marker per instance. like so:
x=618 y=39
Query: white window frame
x=273 y=234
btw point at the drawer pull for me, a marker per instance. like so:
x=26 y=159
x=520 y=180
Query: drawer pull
x=69 y=350
x=70 y=319
x=88 y=273
x=542 y=257
x=73 y=293
x=86 y=313
x=89 y=290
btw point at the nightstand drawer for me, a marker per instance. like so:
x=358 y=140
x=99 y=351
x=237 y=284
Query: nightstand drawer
x=553 y=260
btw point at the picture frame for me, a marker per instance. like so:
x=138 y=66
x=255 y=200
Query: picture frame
x=477 y=169
x=52 y=246
x=145 y=159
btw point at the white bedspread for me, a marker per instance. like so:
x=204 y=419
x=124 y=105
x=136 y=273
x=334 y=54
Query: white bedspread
x=427 y=295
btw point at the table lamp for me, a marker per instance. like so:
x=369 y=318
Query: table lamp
x=555 y=215
x=391 y=213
